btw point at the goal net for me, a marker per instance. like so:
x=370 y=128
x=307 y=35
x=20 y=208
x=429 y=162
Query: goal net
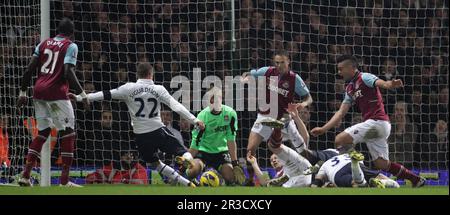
x=392 y=39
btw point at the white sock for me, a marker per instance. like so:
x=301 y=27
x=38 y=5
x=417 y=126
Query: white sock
x=173 y=175
x=188 y=156
x=297 y=140
x=357 y=173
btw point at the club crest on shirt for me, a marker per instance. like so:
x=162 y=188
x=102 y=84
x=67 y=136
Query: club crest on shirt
x=226 y=118
x=285 y=85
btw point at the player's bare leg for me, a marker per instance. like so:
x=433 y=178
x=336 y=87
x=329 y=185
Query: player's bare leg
x=33 y=155
x=226 y=170
x=399 y=171
x=343 y=140
x=254 y=140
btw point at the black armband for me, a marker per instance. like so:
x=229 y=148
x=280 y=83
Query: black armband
x=107 y=95
x=199 y=137
x=318 y=182
x=232 y=128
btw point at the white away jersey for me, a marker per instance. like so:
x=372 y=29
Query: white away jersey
x=333 y=165
x=143 y=99
x=293 y=163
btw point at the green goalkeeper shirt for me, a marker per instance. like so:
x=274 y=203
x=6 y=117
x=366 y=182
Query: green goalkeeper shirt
x=219 y=129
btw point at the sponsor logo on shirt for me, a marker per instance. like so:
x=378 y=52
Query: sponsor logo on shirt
x=220 y=128
x=278 y=90
x=357 y=94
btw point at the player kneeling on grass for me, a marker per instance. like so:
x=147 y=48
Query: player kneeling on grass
x=345 y=171
x=143 y=99
x=215 y=146
x=290 y=165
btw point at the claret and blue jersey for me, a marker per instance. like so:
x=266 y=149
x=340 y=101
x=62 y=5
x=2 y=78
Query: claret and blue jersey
x=288 y=85
x=361 y=90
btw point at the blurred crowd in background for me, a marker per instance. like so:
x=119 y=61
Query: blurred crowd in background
x=405 y=39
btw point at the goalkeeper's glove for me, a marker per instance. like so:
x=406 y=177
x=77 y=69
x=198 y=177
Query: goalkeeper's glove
x=239 y=176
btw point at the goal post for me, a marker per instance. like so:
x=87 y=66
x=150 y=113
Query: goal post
x=45 y=151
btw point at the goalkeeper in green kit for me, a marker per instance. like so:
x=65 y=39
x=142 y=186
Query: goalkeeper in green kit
x=215 y=146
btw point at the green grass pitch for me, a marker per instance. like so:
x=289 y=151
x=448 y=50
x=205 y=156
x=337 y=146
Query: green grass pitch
x=178 y=190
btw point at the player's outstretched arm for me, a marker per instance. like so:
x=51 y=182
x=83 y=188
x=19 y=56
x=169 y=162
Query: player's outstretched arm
x=118 y=93
x=293 y=111
x=26 y=78
x=239 y=175
x=334 y=121
x=262 y=180
x=255 y=73
x=167 y=99
x=397 y=83
x=69 y=73
x=232 y=149
x=231 y=136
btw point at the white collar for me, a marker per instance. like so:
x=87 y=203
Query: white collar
x=146 y=81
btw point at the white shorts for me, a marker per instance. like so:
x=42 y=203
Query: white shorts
x=375 y=134
x=299 y=181
x=266 y=131
x=54 y=114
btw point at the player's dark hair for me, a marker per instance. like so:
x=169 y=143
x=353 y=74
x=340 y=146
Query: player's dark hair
x=281 y=53
x=348 y=57
x=144 y=69
x=65 y=27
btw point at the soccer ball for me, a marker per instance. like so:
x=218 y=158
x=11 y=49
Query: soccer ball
x=210 y=179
